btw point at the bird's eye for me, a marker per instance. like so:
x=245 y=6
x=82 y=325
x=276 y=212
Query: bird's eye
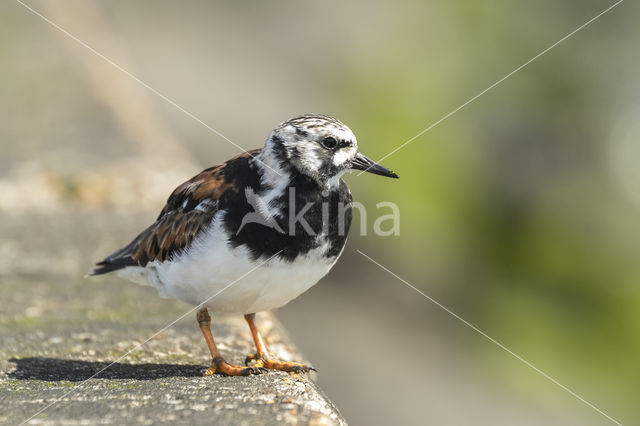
x=329 y=143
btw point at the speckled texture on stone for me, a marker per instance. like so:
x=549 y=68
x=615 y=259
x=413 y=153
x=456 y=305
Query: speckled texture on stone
x=56 y=334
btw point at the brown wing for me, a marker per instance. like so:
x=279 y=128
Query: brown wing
x=188 y=211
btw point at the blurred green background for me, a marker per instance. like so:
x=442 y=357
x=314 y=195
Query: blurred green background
x=519 y=212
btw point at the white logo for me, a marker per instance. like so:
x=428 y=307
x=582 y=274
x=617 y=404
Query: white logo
x=260 y=213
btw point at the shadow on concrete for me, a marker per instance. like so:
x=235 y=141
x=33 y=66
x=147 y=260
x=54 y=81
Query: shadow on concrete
x=54 y=369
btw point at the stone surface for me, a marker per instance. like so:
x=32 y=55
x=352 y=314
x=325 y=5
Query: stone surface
x=57 y=334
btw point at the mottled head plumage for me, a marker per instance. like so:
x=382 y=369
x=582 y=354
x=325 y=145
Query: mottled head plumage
x=318 y=146
x=315 y=145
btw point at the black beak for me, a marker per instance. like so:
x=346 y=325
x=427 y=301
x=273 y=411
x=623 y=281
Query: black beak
x=361 y=162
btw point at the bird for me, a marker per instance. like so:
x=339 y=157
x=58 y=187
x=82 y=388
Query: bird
x=253 y=233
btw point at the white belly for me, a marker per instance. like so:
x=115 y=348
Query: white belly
x=224 y=279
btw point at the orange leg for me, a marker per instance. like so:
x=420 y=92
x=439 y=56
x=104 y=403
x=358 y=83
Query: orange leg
x=261 y=357
x=218 y=364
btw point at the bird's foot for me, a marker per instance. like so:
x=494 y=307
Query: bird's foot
x=265 y=362
x=220 y=366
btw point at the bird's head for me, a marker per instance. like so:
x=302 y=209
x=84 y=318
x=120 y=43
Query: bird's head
x=321 y=147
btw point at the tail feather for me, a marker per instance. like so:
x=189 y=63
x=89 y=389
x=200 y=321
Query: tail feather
x=118 y=260
x=105 y=267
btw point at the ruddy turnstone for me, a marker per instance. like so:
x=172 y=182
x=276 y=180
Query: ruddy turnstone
x=283 y=208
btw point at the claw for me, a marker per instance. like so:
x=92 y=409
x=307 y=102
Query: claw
x=249 y=358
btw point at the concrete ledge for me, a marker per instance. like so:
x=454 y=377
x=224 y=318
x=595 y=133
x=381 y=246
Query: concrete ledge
x=50 y=349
